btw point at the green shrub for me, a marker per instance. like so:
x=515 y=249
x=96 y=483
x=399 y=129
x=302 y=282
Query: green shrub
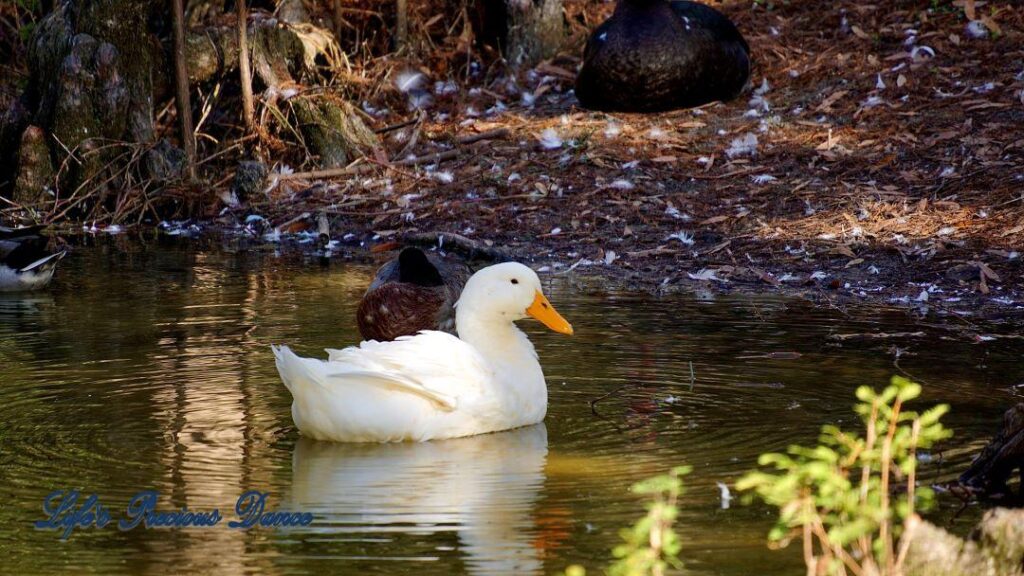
x=838 y=497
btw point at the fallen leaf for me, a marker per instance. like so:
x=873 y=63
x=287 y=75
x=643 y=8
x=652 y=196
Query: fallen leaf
x=1011 y=231
x=843 y=250
x=716 y=248
x=715 y=220
x=765 y=277
x=826 y=104
x=987 y=272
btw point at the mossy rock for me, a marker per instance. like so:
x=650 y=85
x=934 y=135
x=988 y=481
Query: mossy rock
x=996 y=548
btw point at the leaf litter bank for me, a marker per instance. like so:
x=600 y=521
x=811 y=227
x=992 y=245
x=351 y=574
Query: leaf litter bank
x=877 y=157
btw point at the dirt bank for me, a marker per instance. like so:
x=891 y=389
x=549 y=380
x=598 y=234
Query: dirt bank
x=877 y=157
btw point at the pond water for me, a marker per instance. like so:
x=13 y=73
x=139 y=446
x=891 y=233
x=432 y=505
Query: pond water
x=148 y=366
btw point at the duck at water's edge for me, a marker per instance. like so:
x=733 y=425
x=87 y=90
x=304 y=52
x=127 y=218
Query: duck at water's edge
x=433 y=385
x=409 y=294
x=656 y=55
x=25 y=261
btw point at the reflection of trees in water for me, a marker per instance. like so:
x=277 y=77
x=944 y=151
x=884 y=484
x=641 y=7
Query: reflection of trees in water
x=159 y=352
x=208 y=453
x=221 y=407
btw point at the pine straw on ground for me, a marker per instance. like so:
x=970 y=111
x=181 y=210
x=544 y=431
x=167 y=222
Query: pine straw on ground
x=887 y=167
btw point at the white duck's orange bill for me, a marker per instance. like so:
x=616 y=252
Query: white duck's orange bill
x=542 y=310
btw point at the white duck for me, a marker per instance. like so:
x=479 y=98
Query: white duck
x=433 y=385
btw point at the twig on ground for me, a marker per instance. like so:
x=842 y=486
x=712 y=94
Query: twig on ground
x=358 y=168
x=398 y=126
x=467 y=247
x=488 y=135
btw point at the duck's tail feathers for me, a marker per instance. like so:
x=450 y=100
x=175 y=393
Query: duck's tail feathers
x=45 y=264
x=291 y=368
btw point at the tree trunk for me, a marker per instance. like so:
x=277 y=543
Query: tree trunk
x=536 y=30
x=91 y=89
x=525 y=31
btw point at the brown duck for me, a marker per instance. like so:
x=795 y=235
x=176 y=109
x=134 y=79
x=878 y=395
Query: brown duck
x=411 y=293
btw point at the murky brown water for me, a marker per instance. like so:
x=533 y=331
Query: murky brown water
x=148 y=367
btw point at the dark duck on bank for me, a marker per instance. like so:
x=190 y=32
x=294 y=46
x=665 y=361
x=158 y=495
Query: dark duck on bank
x=25 y=261
x=655 y=55
x=410 y=294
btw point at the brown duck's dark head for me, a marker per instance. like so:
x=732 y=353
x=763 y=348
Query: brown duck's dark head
x=415 y=268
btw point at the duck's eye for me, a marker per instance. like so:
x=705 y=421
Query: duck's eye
x=514 y=281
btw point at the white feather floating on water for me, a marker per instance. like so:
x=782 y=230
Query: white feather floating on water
x=726 y=496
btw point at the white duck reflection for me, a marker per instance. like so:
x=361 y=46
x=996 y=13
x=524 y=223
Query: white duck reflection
x=485 y=487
